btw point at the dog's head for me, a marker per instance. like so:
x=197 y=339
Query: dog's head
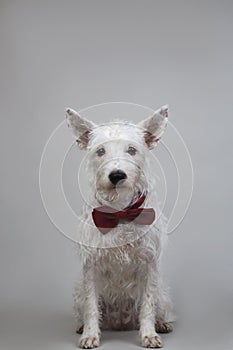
x=117 y=153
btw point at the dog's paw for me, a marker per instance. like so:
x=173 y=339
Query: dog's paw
x=89 y=342
x=153 y=341
x=163 y=327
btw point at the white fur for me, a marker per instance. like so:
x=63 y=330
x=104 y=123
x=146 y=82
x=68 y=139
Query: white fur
x=121 y=285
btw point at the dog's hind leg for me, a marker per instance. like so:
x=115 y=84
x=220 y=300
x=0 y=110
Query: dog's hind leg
x=163 y=307
x=78 y=306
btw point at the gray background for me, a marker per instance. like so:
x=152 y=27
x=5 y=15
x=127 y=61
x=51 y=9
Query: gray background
x=79 y=53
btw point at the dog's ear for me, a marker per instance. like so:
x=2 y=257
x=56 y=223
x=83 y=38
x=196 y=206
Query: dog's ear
x=80 y=127
x=154 y=126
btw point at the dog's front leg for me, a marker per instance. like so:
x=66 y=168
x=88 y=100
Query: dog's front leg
x=149 y=337
x=91 y=331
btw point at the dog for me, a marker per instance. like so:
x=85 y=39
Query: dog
x=122 y=232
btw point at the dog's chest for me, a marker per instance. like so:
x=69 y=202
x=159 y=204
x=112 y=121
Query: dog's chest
x=121 y=270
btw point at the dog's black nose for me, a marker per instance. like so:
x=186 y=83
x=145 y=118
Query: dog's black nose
x=117 y=175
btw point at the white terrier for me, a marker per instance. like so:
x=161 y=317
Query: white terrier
x=122 y=232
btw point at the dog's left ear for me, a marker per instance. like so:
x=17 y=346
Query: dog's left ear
x=80 y=127
x=154 y=126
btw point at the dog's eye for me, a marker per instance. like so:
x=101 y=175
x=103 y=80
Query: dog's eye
x=100 y=152
x=132 y=151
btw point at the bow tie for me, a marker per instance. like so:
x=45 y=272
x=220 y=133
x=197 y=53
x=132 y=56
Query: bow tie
x=106 y=218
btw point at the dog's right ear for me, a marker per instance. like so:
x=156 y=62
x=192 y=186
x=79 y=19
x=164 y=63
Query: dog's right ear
x=80 y=127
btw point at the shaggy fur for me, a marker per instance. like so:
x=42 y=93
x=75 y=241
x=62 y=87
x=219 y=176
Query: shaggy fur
x=121 y=286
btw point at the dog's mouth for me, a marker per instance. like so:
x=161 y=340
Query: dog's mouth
x=111 y=188
x=120 y=184
x=111 y=192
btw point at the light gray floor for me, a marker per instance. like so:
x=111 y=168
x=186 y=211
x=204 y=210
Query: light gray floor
x=53 y=330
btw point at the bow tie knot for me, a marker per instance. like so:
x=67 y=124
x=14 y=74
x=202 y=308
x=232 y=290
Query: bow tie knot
x=124 y=214
x=106 y=218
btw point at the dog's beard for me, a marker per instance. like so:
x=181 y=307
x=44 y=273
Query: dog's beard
x=112 y=193
x=121 y=195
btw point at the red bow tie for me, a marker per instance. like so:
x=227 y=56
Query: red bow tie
x=106 y=218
